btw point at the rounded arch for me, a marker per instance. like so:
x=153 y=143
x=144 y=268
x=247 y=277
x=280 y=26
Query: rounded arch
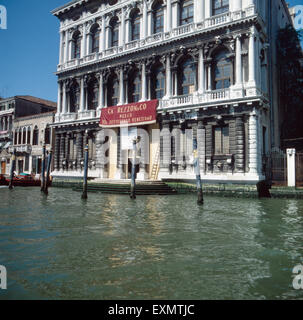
x=213 y=51
x=134 y=11
x=153 y=4
x=112 y=21
x=77 y=33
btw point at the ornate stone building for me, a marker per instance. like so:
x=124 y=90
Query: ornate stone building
x=12 y=109
x=210 y=65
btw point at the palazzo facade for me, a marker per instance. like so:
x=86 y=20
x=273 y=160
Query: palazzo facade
x=210 y=65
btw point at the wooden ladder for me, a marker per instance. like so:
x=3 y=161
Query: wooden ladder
x=156 y=165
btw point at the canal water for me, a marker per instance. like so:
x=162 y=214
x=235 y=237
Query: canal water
x=153 y=248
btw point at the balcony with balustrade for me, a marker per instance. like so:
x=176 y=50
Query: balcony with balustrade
x=161 y=38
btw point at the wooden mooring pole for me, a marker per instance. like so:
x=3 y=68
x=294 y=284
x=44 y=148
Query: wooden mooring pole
x=13 y=165
x=133 y=181
x=43 y=168
x=84 y=194
x=49 y=163
x=197 y=172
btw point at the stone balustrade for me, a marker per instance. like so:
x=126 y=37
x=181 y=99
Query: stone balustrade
x=180 y=31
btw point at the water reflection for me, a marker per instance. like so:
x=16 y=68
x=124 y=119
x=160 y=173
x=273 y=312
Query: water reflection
x=111 y=247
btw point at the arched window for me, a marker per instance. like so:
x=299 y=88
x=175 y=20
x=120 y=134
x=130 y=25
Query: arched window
x=77 y=45
x=186 y=77
x=113 y=91
x=220 y=6
x=29 y=133
x=24 y=131
x=36 y=136
x=158 y=82
x=222 y=71
x=186 y=12
x=95 y=37
x=158 y=17
x=135 y=25
x=20 y=136
x=93 y=94
x=134 y=87
x=74 y=97
x=114 y=24
x=47 y=135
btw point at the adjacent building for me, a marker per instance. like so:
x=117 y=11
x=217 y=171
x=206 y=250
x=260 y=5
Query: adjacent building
x=11 y=109
x=209 y=65
x=30 y=134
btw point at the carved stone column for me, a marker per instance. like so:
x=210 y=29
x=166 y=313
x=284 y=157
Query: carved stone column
x=143 y=81
x=64 y=100
x=121 y=85
x=59 y=107
x=201 y=72
x=168 y=15
x=168 y=78
x=66 y=43
x=144 y=20
x=252 y=58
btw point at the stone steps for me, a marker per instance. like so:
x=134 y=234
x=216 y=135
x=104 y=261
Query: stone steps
x=123 y=187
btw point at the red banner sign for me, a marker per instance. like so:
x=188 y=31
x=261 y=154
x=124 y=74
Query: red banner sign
x=140 y=113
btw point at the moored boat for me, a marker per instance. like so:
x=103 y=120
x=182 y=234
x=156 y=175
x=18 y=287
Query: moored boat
x=25 y=180
x=3 y=181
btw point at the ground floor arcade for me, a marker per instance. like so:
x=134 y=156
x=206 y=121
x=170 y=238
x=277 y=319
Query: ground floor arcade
x=230 y=143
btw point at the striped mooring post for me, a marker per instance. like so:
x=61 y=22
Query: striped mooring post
x=84 y=194
x=13 y=166
x=43 y=168
x=133 y=181
x=49 y=163
x=197 y=172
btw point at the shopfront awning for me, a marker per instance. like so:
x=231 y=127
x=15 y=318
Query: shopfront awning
x=134 y=114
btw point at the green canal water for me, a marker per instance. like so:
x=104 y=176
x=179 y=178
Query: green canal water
x=153 y=248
